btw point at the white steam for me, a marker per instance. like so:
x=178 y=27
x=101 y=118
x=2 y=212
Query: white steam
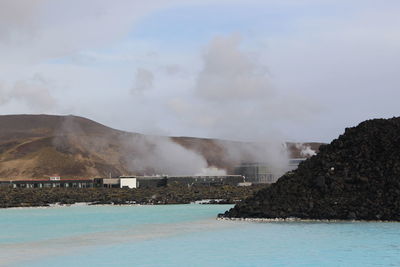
x=230 y=74
x=160 y=155
x=235 y=99
x=272 y=154
x=305 y=150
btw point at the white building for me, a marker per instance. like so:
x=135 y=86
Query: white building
x=128 y=182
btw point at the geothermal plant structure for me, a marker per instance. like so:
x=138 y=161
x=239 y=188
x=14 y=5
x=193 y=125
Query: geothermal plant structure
x=248 y=173
x=160 y=180
x=261 y=173
x=127 y=182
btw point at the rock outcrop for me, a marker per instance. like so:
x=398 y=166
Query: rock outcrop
x=357 y=176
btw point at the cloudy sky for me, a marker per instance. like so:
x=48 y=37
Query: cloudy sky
x=299 y=70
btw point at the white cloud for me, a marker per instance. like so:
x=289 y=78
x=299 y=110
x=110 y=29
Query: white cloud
x=18 y=20
x=41 y=29
x=322 y=71
x=4 y=97
x=348 y=64
x=143 y=80
x=33 y=93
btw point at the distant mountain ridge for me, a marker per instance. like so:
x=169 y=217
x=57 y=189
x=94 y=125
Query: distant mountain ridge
x=35 y=146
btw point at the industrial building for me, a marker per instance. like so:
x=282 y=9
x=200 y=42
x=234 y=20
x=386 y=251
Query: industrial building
x=48 y=183
x=119 y=182
x=207 y=180
x=262 y=173
x=255 y=173
x=126 y=182
x=158 y=181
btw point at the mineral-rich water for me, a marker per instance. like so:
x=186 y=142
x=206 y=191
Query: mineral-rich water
x=185 y=235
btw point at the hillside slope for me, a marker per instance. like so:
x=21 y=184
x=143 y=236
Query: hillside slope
x=35 y=146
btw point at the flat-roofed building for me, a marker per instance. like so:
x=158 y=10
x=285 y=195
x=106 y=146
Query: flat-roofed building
x=256 y=173
x=206 y=180
x=47 y=183
x=262 y=173
x=163 y=180
x=151 y=181
x=108 y=182
x=128 y=182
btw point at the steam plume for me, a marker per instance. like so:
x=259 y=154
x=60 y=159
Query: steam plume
x=305 y=150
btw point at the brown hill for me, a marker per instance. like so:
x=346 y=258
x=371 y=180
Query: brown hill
x=35 y=146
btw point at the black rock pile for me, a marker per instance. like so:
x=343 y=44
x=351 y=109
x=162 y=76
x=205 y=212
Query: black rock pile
x=356 y=177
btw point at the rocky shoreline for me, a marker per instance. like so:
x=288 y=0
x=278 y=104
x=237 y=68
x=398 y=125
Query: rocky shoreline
x=45 y=197
x=294 y=219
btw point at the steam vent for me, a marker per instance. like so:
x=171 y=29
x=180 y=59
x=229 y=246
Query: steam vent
x=356 y=177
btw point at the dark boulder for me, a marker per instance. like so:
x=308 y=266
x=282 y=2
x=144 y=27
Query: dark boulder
x=355 y=177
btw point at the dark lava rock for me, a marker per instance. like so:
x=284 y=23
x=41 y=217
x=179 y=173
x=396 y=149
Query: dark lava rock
x=176 y=194
x=355 y=177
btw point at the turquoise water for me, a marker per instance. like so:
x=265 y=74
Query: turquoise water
x=185 y=235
